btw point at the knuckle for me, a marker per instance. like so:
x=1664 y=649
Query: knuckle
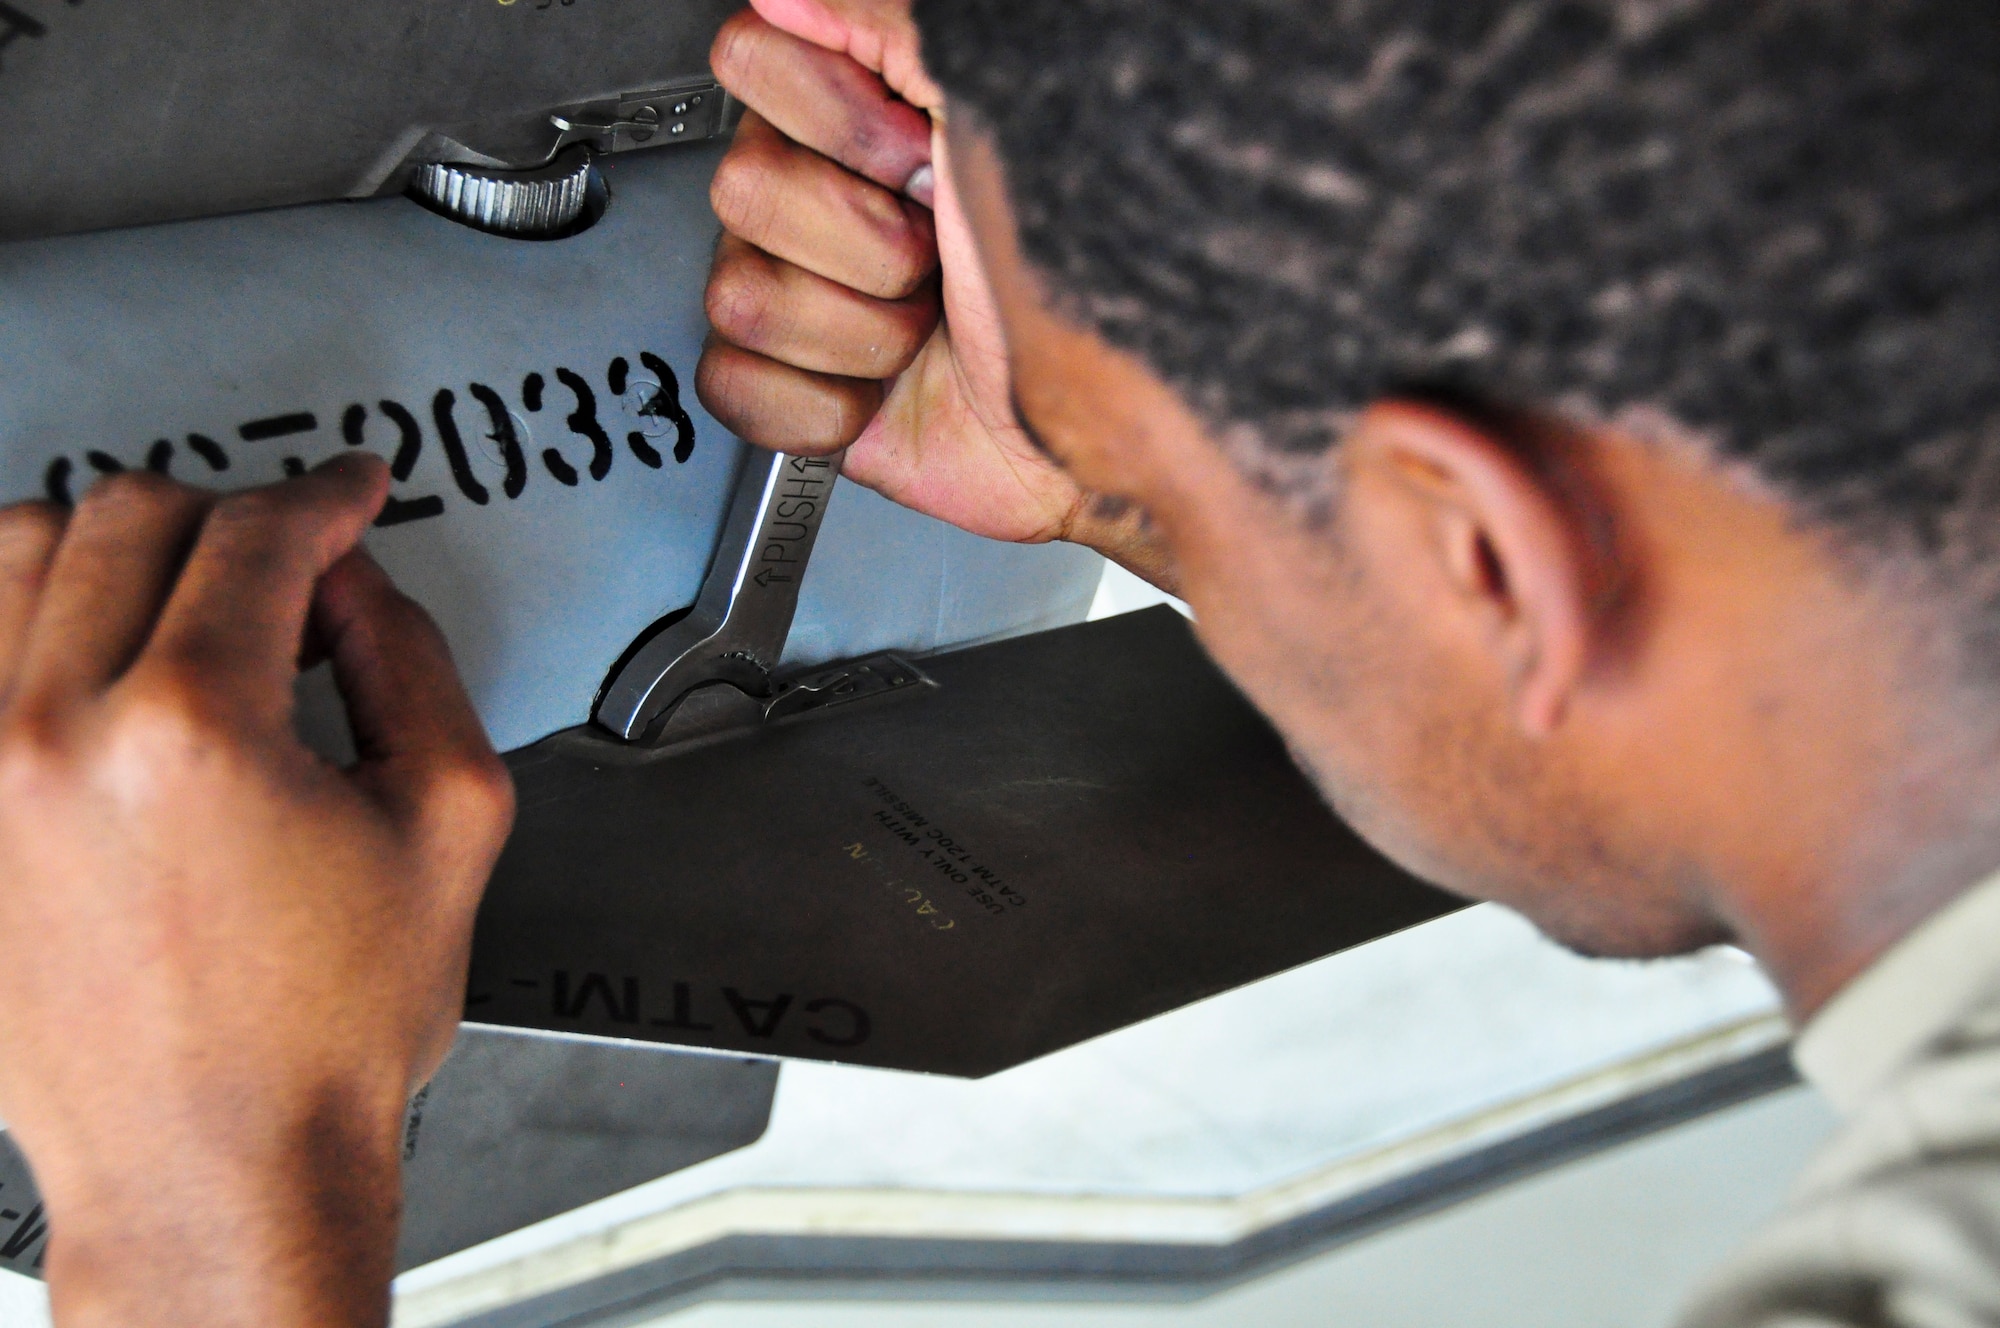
x=160 y=740
x=911 y=325
x=278 y=523
x=29 y=529
x=740 y=294
x=850 y=412
x=34 y=754
x=253 y=508
x=168 y=712
x=735 y=49
x=906 y=257
x=133 y=490
x=741 y=191
x=716 y=385
x=472 y=797
x=885 y=352
x=861 y=139
x=903 y=279
x=781 y=407
x=35 y=520
x=907 y=270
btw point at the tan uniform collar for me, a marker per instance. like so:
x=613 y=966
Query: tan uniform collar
x=1906 y=999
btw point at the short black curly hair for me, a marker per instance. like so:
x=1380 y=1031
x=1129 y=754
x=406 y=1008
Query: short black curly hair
x=1774 y=222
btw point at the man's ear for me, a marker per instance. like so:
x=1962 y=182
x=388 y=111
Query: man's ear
x=1505 y=546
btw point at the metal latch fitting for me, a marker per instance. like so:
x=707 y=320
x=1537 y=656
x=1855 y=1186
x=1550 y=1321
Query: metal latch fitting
x=540 y=182
x=714 y=666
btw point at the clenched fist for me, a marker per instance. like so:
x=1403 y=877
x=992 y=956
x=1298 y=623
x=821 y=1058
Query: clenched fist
x=224 y=962
x=847 y=299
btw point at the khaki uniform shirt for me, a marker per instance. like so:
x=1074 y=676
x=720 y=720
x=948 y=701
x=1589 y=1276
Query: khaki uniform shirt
x=1897 y=1221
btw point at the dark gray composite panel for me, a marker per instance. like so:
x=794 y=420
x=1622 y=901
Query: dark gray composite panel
x=127 y=111
x=515 y=1129
x=1072 y=832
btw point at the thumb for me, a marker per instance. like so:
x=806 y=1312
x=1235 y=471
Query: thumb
x=879 y=34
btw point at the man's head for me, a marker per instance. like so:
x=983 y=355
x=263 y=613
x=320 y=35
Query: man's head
x=1577 y=423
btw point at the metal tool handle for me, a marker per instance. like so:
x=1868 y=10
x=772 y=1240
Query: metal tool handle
x=737 y=628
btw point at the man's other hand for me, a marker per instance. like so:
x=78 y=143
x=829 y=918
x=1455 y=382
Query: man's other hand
x=225 y=962
x=847 y=300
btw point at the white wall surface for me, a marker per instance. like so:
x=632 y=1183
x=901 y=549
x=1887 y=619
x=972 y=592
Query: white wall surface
x=1612 y=1241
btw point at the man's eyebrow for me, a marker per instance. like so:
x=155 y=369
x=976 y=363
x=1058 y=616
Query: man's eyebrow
x=1021 y=418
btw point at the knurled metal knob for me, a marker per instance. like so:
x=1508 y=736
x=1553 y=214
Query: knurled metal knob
x=547 y=200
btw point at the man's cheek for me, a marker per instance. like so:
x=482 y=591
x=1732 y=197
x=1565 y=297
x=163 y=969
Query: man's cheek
x=1370 y=803
x=1383 y=767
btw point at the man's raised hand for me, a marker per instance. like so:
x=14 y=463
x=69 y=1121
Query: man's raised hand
x=847 y=300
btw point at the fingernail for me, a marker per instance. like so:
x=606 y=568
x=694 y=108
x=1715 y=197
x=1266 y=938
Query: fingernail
x=922 y=185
